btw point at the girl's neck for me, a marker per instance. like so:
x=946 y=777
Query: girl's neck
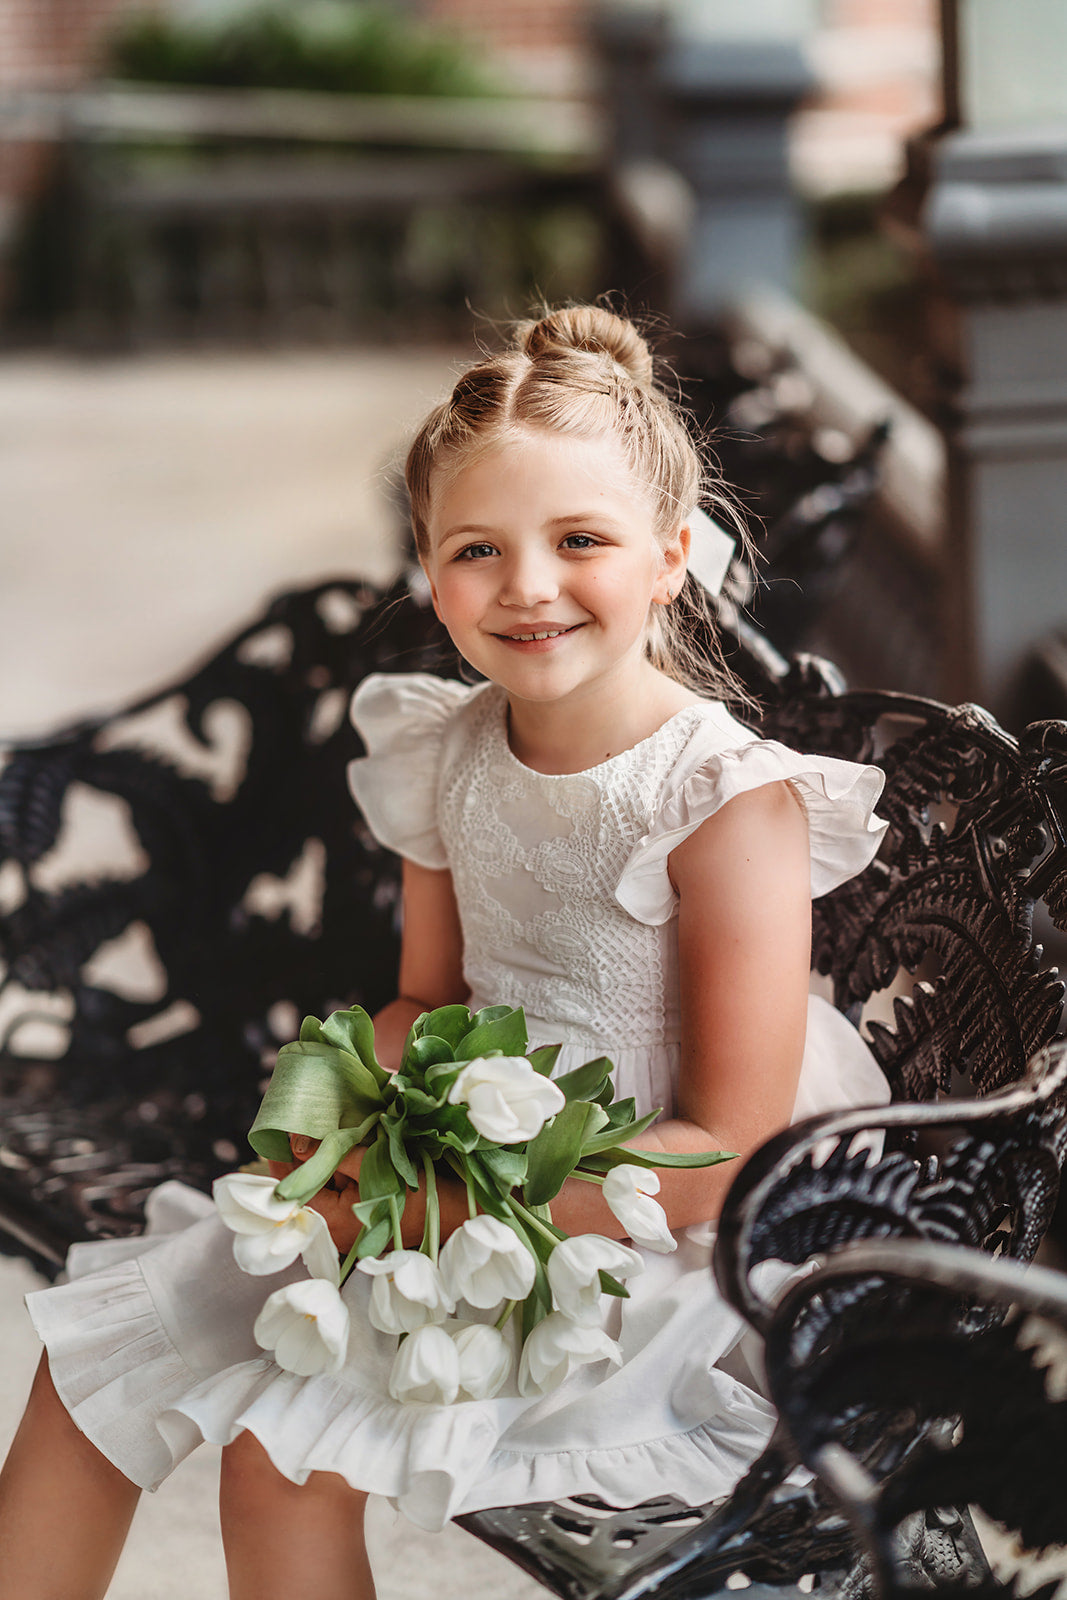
x=572 y=735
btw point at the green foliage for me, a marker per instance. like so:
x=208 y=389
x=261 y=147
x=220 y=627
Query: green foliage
x=338 y=46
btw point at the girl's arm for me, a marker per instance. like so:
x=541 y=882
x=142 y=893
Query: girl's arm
x=431 y=959
x=431 y=975
x=744 y=945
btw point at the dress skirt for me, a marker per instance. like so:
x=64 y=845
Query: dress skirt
x=151 y=1349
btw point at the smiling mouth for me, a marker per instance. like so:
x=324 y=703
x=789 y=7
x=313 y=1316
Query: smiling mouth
x=536 y=636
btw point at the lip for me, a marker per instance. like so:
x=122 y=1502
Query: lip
x=521 y=638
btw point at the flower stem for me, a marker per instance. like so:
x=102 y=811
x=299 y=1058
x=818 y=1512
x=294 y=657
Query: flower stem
x=394 y=1213
x=505 y=1316
x=346 y=1267
x=552 y=1234
x=431 y=1233
x=472 y=1204
x=588 y=1177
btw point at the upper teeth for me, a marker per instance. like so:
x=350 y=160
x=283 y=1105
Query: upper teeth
x=523 y=637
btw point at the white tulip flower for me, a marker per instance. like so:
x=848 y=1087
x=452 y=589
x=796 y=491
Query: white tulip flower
x=506 y=1099
x=271 y=1233
x=574 y=1269
x=627 y=1190
x=485 y=1262
x=556 y=1348
x=408 y=1292
x=305 y=1325
x=484 y=1359
x=426 y=1368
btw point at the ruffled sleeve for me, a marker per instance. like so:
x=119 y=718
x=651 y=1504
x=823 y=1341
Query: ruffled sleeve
x=403 y=720
x=839 y=798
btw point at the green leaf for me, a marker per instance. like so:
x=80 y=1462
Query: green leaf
x=604 y=1160
x=427 y=1051
x=505 y=1033
x=372 y=1241
x=492 y=1014
x=553 y=1155
x=312 y=1093
x=544 y=1059
x=449 y=1023
x=621 y=1112
x=489 y=1196
x=538 y=1303
x=311 y=1031
x=451 y=1124
x=661 y=1158
x=610 y=1285
x=313 y=1174
x=507 y=1168
x=586 y=1082
x=441 y=1077
x=369 y=1211
x=609 y=1137
x=353 y=1030
x=398 y=1151
x=378 y=1177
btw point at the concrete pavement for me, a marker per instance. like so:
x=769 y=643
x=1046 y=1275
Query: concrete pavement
x=147 y=508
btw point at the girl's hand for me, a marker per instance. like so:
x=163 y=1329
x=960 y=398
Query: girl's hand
x=334 y=1202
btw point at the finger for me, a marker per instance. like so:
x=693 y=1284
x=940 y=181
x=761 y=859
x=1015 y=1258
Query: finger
x=302 y=1146
x=350 y=1164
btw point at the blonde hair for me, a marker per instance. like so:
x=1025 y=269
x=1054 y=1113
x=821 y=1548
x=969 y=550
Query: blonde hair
x=586 y=372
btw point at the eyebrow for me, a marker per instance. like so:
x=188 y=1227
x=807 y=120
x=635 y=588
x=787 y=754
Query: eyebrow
x=463 y=529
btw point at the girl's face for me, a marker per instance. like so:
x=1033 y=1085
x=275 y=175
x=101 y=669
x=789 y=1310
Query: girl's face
x=544 y=563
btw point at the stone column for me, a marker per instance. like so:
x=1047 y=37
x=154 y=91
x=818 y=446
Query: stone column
x=995 y=223
x=699 y=95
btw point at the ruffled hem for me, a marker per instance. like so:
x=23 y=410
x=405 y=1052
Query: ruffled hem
x=435 y=1463
x=113 y=1366
x=148 y=1376
x=130 y=1392
x=839 y=798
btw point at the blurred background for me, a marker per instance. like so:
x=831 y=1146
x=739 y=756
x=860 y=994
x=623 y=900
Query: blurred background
x=244 y=246
x=242 y=243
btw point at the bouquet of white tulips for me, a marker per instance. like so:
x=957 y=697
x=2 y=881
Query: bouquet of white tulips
x=466 y=1098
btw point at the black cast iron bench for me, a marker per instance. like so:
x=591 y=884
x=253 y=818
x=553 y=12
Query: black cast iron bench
x=241 y=891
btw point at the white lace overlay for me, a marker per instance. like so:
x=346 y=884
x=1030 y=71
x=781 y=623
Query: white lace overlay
x=536 y=859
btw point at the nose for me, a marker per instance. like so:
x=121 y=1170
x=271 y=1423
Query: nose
x=529 y=580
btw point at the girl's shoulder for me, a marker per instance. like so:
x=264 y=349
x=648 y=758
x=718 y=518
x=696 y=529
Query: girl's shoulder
x=720 y=759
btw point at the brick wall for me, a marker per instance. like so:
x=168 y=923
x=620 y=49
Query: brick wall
x=878 y=64
x=52 y=43
x=44 y=44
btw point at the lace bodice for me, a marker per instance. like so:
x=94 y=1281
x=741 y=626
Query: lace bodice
x=536 y=860
x=561 y=880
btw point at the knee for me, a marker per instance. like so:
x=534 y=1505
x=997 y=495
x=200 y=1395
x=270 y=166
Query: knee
x=250 y=1479
x=248 y=1474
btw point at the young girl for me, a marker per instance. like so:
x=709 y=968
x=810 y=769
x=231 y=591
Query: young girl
x=585 y=835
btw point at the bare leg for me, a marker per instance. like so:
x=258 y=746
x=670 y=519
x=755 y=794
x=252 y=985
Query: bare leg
x=282 y=1539
x=64 y=1509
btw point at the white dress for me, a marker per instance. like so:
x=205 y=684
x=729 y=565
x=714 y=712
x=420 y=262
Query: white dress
x=568 y=911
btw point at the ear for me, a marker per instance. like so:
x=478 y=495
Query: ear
x=674 y=556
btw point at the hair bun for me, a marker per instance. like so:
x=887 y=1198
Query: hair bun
x=593 y=329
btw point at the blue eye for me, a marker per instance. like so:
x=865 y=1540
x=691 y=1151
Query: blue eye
x=475 y=552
